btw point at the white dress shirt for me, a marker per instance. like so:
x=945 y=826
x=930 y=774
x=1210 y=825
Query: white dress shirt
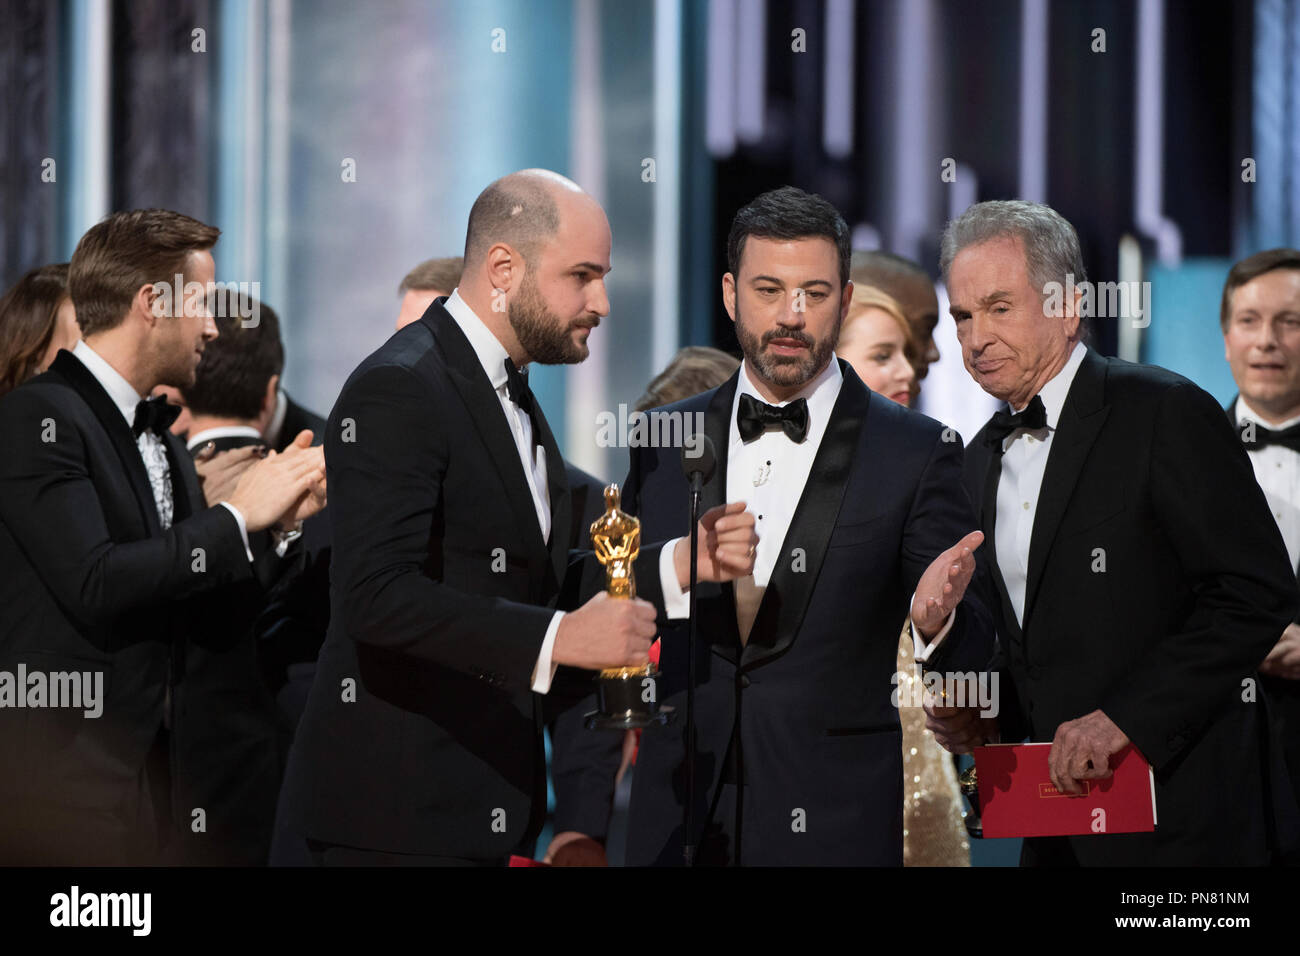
x=492 y=356
x=152 y=450
x=1024 y=460
x=1277 y=469
x=769 y=475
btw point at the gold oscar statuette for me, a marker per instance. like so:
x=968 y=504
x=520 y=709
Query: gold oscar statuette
x=627 y=696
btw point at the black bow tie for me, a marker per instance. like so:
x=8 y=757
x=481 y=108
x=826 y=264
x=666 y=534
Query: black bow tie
x=754 y=417
x=1263 y=437
x=155 y=415
x=1004 y=423
x=517 y=388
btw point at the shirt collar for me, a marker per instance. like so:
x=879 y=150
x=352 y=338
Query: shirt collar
x=1054 y=392
x=121 y=391
x=224 y=431
x=1247 y=414
x=491 y=353
x=821 y=393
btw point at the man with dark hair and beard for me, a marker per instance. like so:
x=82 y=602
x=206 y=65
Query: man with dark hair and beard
x=861 y=520
x=421 y=742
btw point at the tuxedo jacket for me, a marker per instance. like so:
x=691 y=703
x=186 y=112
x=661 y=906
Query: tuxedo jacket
x=291 y=611
x=92 y=583
x=1157 y=583
x=229 y=739
x=587 y=496
x=422 y=734
x=296 y=418
x=1284 y=708
x=806 y=707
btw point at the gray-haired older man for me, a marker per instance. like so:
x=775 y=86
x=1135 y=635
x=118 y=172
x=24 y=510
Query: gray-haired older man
x=1140 y=577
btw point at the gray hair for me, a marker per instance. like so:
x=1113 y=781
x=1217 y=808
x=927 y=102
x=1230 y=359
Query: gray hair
x=1051 y=245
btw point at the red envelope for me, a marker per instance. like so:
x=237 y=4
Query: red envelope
x=1017 y=798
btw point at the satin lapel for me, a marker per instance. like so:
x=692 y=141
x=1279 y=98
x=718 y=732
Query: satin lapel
x=717 y=426
x=557 y=483
x=484 y=407
x=119 y=433
x=989 y=464
x=1081 y=419
x=716 y=606
x=789 y=591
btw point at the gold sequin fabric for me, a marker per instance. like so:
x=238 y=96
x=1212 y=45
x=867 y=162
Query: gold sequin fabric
x=933 y=832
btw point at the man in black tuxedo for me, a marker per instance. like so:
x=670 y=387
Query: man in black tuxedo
x=289 y=419
x=235 y=406
x=451 y=524
x=104 y=534
x=861 y=520
x=1260 y=319
x=1140 y=578
x=587 y=495
x=232 y=727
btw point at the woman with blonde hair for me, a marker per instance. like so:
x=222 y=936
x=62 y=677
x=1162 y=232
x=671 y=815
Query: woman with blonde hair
x=876 y=340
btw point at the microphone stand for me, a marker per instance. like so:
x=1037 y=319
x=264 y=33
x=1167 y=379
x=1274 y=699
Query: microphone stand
x=698 y=470
x=688 y=842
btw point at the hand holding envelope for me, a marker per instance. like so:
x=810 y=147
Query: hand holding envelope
x=1082 y=749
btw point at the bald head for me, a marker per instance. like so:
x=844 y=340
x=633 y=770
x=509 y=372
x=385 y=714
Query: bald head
x=521 y=210
x=536 y=255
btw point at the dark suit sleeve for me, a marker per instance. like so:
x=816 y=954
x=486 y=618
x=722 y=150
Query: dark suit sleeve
x=49 y=502
x=1229 y=549
x=1013 y=726
x=941 y=516
x=387 y=456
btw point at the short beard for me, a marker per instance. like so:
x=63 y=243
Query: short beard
x=182 y=373
x=786 y=371
x=542 y=334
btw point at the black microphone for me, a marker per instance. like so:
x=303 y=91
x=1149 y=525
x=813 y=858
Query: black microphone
x=699 y=468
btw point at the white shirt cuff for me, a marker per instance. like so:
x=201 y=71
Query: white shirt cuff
x=920 y=648
x=677 y=602
x=243 y=528
x=544 y=670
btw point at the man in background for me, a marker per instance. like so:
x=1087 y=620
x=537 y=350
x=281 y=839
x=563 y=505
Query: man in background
x=431 y=279
x=231 y=740
x=1140 y=580
x=1260 y=319
x=230 y=409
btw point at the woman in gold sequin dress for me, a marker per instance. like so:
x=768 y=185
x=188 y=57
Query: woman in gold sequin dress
x=877 y=341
